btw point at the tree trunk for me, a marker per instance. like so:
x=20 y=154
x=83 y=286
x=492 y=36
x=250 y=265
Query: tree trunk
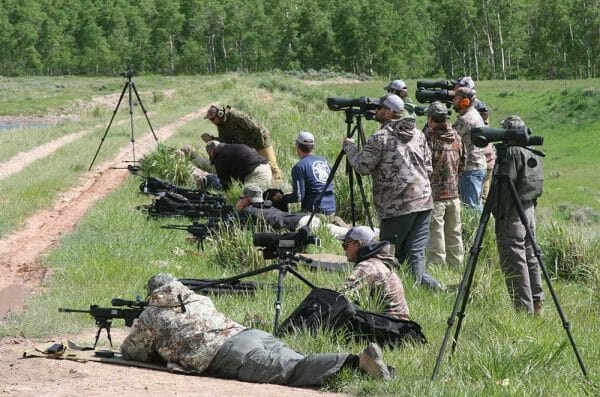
x=502 y=63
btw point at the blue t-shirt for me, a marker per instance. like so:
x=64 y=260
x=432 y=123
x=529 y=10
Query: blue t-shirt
x=309 y=176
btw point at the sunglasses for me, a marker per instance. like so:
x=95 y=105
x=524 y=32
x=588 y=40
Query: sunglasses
x=346 y=243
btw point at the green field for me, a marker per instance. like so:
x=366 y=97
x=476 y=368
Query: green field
x=115 y=249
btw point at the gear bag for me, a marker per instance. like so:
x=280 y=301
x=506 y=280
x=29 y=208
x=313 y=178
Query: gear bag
x=328 y=309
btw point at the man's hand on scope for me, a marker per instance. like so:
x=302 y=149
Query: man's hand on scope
x=349 y=140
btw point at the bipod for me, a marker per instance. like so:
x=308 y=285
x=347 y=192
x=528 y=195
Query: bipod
x=129 y=86
x=500 y=177
x=285 y=264
x=103 y=324
x=351 y=114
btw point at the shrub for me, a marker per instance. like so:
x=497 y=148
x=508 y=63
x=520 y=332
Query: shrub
x=166 y=163
x=569 y=252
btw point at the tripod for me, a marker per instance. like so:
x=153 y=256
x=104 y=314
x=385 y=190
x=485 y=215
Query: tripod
x=285 y=263
x=500 y=178
x=350 y=131
x=129 y=86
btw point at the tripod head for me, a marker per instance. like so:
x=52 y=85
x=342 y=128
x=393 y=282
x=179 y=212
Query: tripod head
x=128 y=73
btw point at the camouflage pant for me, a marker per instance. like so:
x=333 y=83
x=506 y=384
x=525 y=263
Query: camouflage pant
x=257 y=356
x=445 y=234
x=518 y=261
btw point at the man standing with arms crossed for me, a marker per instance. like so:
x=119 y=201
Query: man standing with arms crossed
x=470 y=183
x=399 y=161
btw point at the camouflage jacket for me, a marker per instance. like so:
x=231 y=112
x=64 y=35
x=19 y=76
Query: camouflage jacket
x=475 y=155
x=375 y=274
x=238 y=127
x=448 y=160
x=409 y=108
x=399 y=160
x=188 y=339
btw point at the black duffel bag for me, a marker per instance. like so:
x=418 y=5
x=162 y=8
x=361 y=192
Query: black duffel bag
x=328 y=309
x=321 y=309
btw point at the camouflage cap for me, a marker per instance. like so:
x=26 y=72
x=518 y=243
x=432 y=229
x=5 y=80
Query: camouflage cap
x=211 y=145
x=254 y=193
x=158 y=281
x=464 y=92
x=359 y=233
x=512 y=122
x=438 y=111
x=396 y=85
x=392 y=101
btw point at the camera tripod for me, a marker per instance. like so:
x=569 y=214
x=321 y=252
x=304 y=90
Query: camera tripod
x=500 y=178
x=129 y=86
x=285 y=263
x=351 y=113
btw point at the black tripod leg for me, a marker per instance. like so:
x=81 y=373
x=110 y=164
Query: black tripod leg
x=350 y=172
x=97 y=336
x=130 y=84
x=108 y=127
x=336 y=165
x=529 y=235
x=462 y=296
x=363 y=197
x=282 y=271
x=144 y=110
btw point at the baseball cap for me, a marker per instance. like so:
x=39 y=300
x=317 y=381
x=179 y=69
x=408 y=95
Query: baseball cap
x=465 y=81
x=211 y=145
x=392 y=101
x=212 y=111
x=362 y=233
x=512 y=122
x=254 y=193
x=396 y=85
x=305 y=138
x=437 y=111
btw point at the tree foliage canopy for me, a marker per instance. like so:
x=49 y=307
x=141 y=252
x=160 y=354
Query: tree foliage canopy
x=410 y=38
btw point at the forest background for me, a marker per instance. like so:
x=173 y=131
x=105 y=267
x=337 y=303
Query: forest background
x=486 y=39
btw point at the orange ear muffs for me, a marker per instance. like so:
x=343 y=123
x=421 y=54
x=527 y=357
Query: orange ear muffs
x=464 y=103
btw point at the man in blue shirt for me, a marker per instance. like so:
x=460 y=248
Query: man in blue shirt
x=309 y=176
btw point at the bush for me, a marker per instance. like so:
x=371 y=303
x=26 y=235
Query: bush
x=166 y=163
x=569 y=252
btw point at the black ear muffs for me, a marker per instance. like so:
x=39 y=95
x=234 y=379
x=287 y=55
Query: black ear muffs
x=221 y=112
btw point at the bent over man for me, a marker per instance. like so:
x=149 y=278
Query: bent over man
x=186 y=331
x=237 y=127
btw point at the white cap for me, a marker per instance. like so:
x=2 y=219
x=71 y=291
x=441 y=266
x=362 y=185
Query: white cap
x=359 y=233
x=392 y=101
x=396 y=85
x=305 y=138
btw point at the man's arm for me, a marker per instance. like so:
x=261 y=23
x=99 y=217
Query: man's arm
x=357 y=280
x=298 y=187
x=366 y=161
x=138 y=345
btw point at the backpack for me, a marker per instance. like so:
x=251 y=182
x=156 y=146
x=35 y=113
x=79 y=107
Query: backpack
x=322 y=308
x=328 y=309
x=385 y=330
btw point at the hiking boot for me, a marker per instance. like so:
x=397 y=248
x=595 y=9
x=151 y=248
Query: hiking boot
x=371 y=361
x=538 y=308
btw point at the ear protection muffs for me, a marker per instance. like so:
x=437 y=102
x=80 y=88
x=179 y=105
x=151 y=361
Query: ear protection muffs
x=221 y=112
x=464 y=103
